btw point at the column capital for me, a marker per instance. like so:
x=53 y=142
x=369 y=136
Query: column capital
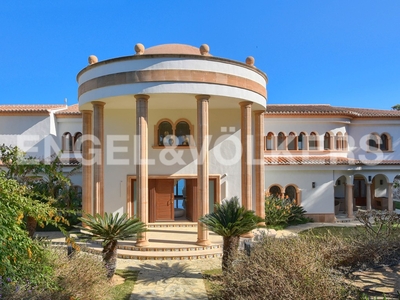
x=349 y=184
x=202 y=97
x=245 y=103
x=259 y=112
x=368 y=183
x=86 y=111
x=142 y=97
x=98 y=103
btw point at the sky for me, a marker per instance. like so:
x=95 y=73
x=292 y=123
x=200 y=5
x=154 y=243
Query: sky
x=342 y=52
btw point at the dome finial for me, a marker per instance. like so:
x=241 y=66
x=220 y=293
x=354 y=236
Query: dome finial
x=139 y=49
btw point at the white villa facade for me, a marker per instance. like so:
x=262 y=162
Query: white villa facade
x=168 y=132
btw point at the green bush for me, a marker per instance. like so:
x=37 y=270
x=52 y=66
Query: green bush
x=283 y=212
x=80 y=276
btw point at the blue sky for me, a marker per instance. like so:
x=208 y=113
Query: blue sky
x=345 y=53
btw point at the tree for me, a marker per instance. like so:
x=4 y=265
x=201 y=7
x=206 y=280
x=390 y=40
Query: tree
x=45 y=181
x=230 y=220
x=110 y=228
x=396 y=107
x=21 y=258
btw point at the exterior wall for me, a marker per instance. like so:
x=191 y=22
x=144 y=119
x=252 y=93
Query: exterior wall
x=120 y=130
x=360 y=130
x=28 y=132
x=318 y=200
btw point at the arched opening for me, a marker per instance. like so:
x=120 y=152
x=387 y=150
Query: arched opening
x=270 y=141
x=276 y=191
x=78 y=142
x=327 y=141
x=281 y=141
x=301 y=141
x=373 y=142
x=313 y=141
x=292 y=141
x=339 y=141
x=164 y=131
x=384 y=146
x=182 y=132
x=67 y=142
x=291 y=194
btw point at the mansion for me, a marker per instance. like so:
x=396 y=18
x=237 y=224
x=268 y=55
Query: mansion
x=166 y=133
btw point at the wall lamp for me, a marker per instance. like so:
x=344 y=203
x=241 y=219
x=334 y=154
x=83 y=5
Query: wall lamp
x=381 y=181
x=338 y=182
x=369 y=178
x=313 y=185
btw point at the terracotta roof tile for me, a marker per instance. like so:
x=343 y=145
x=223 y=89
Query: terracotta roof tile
x=29 y=108
x=326 y=109
x=323 y=160
x=71 y=110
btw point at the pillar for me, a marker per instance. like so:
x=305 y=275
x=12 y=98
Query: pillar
x=98 y=168
x=246 y=160
x=369 y=198
x=349 y=200
x=259 y=158
x=142 y=172
x=390 y=196
x=202 y=167
x=87 y=172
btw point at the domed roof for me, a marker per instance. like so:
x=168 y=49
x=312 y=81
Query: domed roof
x=173 y=49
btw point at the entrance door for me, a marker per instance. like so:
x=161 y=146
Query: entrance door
x=360 y=192
x=161 y=200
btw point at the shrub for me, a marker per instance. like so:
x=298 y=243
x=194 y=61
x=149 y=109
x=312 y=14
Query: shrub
x=283 y=212
x=80 y=276
x=290 y=268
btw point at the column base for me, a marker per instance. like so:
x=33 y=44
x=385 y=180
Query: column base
x=142 y=243
x=203 y=242
x=248 y=235
x=262 y=224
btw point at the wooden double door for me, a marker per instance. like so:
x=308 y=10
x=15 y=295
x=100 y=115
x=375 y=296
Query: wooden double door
x=161 y=199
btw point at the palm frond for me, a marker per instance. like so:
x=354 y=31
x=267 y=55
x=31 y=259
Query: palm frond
x=231 y=219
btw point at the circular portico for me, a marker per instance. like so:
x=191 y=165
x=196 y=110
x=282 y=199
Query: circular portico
x=177 y=82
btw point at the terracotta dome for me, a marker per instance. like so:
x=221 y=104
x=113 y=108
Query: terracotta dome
x=173 y=49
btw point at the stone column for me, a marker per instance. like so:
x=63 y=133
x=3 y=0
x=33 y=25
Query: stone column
x=349 y=200
x=142 y=172
x=87 y=172
x=202 y=167
x=98 y=168
x=259 y=157
x=245 y=108
x=390 y=196
x=369 y=199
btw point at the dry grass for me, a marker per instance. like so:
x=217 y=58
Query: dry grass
x=81 y=276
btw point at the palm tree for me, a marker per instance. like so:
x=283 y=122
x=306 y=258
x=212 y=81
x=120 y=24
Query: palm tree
x=110 y=228
x=230 y=220
x=396 y=107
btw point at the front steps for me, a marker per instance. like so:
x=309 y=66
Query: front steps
x=167 y=241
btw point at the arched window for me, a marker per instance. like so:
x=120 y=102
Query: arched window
x=292 y=141
x=301 y=140
x=345 y=141
x=78 y=142
x=384 y=146
x=327 y=141
x=270 y=141
x=373 y=142
x=291 y=193
x=281 y=141
x=339 y=141
x=67 y=142
x=275 y=191
x=182 y=132
x=313 y=141
x=164 y=133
